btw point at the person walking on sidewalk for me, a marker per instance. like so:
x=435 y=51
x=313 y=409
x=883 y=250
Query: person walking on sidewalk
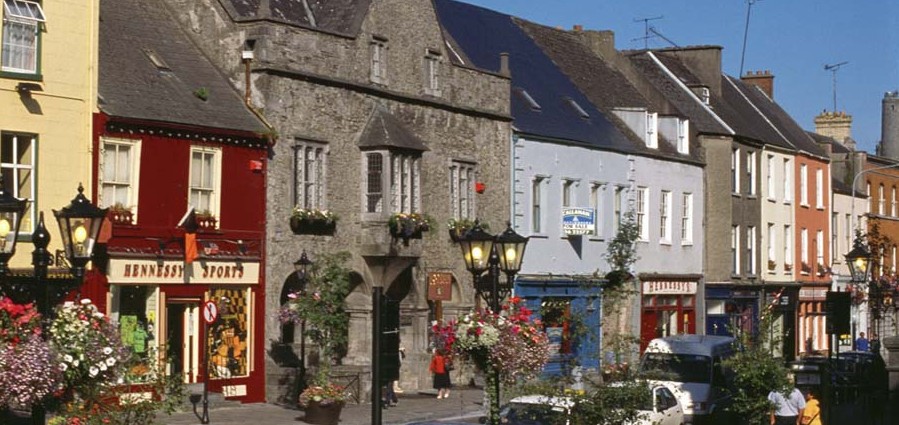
x=812 y=413
x=788 y=406
x=440 y=367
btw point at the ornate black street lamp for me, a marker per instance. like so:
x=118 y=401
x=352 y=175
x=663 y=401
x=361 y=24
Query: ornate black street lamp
x=493 y=254
x=302 y=269
x=859 y=260
x=79 y=225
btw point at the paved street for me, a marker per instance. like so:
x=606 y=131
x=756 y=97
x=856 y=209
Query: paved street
x=463 y=403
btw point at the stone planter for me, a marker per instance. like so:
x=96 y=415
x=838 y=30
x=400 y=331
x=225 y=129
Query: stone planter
x=328 y=414
x=302 y=226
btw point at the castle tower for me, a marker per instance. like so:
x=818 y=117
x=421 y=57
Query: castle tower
x=889 y=130
x=837 y=125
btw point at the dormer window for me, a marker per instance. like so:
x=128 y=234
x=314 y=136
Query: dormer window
x=702 y=92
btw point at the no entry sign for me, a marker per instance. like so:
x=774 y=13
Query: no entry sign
x=210 y=312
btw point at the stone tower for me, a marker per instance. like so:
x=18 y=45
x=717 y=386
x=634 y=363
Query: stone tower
x=837 y=125
x=889 y=133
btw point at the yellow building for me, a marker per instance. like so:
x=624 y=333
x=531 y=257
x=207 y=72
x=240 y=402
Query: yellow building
x=48 y=94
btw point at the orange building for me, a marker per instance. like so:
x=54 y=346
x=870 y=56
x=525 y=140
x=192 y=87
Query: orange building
x=882 y=187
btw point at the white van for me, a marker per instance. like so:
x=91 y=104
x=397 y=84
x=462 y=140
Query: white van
x=691 y=365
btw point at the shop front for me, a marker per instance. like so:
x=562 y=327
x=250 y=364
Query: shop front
x=812 y=330
x=668 y=308
x=731 y=311
x=158 y=305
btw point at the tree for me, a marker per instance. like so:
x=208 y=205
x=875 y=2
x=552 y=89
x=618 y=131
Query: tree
x=621 y=256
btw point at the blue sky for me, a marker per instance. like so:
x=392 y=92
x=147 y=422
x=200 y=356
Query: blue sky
x=794 y=39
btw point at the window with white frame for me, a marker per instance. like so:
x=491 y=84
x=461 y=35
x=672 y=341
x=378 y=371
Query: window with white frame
x=392 y=176
x=18 y=158
x=462 y=179
x=788 y=181
x=378 y=60
x=567 y=192
x=788 y=248
x=537 y=204
x=686 y=227
x=772 y=248
x=310 y=160
x=683 y=136
x=893 y=264
x=596 y=190
x=834 y=237
x=119 y=165
x=868 y=197
x=803 y=185
x=881 y=200
x=735 y=170
x=735 y=249
x=803 y=250
x=751 y=261
x=205 y=163
x=665 y=217
x=819 y=188
x=618 y=207
x=642 y=216
x=819 y=250
x=652 y=130
x=22 y=22
x=772 y=194
x=750 y=172
x=893 y=201
x=432 y=72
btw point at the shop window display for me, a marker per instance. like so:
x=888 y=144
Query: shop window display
x=133 y=308
x=228 y=336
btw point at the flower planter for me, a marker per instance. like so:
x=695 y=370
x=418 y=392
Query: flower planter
x=206 y=221
x=305 y=226
x=455 y=233
x=323 y=414
x=408 y=232
x=121 y=217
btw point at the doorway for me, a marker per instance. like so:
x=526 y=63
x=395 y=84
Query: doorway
x=182 y=352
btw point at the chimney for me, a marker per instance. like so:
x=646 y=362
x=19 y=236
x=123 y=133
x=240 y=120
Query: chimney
x=601 y=42
x=504 y=64
x=578 y=28
x=761 y=79
x=836 y=125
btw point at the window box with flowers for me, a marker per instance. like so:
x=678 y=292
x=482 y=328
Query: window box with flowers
x=119 y=214
x=805 y=268
x=788 y=268
x=822 y=270
x=206 y=220
x=772 y=265
x=408 y=226
x=458 y=227
x=308 y=221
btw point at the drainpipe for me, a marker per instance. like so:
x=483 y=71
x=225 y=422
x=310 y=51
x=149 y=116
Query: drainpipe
x=247 y=57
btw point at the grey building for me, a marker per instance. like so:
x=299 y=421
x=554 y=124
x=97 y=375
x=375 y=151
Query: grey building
x=377 y=113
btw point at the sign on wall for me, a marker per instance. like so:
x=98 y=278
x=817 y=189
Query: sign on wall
x=578 y=221
x=140 y=271
x=661 y=287
x=440 y=286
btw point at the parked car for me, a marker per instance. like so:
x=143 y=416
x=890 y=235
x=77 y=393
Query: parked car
x=543 y=410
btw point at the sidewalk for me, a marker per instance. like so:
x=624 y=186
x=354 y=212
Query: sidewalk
x=463 y=403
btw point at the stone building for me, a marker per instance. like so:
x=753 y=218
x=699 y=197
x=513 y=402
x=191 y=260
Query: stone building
x=376 y=113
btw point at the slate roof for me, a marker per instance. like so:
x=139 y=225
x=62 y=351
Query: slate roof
x=131 y=86
x=688 y=105
x=336 y=16
x=835 y=146
x=483 y=34
x=385 y=130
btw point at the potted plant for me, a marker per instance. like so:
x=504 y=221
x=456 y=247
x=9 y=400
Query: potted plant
x=805 y=268
x=120 y=214
x=822 y=270
x=206 y=220
x=460 y=226
x=320 y=306
x=310 y=221
x=788 y=267
x=408 y=226
x=772 y=265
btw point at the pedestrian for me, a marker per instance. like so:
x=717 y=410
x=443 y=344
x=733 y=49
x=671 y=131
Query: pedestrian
x=812 y=413
x=788 y=407
x=861 y=343
x=396 y=384
x=875 y=344
x=441 y=364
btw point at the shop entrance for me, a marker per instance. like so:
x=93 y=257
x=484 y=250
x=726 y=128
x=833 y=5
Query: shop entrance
x=182 y=336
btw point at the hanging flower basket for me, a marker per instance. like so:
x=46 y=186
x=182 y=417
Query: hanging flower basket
x=458 y=228
x=408 y=226
x=312 y=222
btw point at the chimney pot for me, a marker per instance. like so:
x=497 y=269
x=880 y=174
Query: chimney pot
x=761 y=79
x=578 y=28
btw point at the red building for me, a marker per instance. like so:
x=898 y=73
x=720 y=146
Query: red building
x=173 y=136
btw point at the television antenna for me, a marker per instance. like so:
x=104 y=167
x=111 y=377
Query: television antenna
x=646 y=29
x=833 y=68
x=749 y=4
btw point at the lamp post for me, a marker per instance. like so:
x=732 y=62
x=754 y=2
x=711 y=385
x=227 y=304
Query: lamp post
x=859 y=261
x=485 y=252
x=302 y=269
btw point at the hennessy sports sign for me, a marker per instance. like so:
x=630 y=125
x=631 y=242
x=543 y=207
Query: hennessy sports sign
x=125 y=272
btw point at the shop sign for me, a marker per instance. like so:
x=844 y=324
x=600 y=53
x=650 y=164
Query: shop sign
x=664 y=287
x=138 y=271
x=578 y=221
x=440 y=286
x=813 y=293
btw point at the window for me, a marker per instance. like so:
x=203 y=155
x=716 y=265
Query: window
x=868 y=197
x=379 y=60
x=788 y=248
x=750 y=172
x=893 y=201
x=803 y=250
x=652 y=130
x=881 y=200
x=751 y=261
x=18 y=156
x=819 y=189
x=665 y=217
x=642 y=219
x=819 y=250
x=834 y=240
x=803 y=185
x=120 y=159
x=432 y=72
x=686 y=228
x=619 y=204
x=772 y=194
x=462 y=177
x=392 y=176
x=772 y=246
x=734 y=249
x=596 y=190
x=788 y=181
x=566 y=192
x=683 y=136
x=735 y=170
x=848 y=234
x=537 y=204
x=204 y=179
x=309 y=175
x=21 y=36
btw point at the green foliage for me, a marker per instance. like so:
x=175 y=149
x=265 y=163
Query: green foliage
x=756 y=372
x=622 y=250
x=202 y=93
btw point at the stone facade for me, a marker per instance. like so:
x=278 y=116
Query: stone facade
x=315 y=85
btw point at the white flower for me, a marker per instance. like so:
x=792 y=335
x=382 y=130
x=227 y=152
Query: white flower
x=63 y=367
x=76 y=363
x=94 y=371
x=107 y=350
x=85 y=301
x=110 y=361
x=103 y=366
x=67 y=358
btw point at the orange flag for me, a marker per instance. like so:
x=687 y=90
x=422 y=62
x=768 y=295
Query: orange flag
x=189 y=224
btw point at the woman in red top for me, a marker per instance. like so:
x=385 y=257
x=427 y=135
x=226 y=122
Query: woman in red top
x=440 y=367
